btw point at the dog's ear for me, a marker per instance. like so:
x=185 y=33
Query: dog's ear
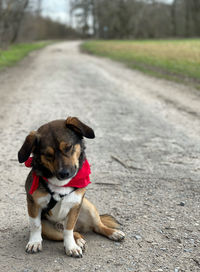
x=77 y=126
x=27 y=147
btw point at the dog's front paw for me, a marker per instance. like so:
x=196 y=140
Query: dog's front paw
x=117 y=235
x=34 y=247
x=74 y=251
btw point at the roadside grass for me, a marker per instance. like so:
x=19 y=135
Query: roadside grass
x=18 y=51
x=177 y=60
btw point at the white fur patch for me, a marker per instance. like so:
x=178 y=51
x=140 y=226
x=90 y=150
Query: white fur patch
x=35 y=222
x=56 y=182
x=60 y=211
x=44 y=200
x=59 y=190
x=117 y=235
x=35 y=240
x=57 y=197
x=81 y=242
x=71 y=248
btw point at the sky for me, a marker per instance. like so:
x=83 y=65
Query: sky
x=58 y=10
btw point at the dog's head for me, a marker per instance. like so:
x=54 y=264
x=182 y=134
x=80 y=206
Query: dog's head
x=58 y=148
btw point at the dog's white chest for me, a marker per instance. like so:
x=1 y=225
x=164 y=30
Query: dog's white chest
x=63 y=206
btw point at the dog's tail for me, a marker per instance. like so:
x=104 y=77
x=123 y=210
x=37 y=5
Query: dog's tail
x=109 y=221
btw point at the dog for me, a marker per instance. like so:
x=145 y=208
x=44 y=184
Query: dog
x=56 y=186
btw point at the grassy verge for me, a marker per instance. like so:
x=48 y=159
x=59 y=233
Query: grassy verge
x=17 y=52
x=172 y=59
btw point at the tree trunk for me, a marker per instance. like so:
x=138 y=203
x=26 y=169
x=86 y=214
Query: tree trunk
x=18 y=21
x=94 y=17
x=187 y=18
x=173 y=19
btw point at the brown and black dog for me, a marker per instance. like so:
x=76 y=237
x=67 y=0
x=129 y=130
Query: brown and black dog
x=57 y=212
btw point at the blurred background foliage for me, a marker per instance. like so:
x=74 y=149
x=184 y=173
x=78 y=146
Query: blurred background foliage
x=23 y=20
x=143 y=19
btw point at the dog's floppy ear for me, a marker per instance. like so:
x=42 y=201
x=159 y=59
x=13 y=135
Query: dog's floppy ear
x=76 y=125
x=27 y=147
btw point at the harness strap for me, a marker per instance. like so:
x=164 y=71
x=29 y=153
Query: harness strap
x=52 y=203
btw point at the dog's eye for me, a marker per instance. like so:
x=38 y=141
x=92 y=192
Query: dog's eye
x=49 y=156
x=67 y=148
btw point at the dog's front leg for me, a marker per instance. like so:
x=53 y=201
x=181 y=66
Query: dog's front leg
x=35 y=241
x=71 y=248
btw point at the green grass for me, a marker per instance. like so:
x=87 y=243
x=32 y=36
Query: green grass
x=172 y=59
x=17 y=52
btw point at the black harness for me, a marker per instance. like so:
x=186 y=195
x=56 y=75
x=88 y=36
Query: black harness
x=52 y=203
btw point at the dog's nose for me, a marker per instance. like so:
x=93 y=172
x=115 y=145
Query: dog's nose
x=63 y=173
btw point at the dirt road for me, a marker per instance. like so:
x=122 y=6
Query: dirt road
x=145 y=161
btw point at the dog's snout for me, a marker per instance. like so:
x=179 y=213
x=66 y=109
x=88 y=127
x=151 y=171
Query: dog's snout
x=64 y=173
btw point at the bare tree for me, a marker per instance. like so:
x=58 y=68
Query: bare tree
x=94 y=17
x=124 y=18
x=17 y=19
x=84 y=12
x=196 y=16
x=173 y=18
x=71 y=13
x=11 y=16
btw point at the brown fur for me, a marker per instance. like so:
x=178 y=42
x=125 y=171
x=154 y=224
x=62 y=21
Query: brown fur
x=27 y=147
x=33 y=207
x=72 y=217
x=104 y=230
x=49 y=151
x=65 y=147
x=48 y=164
x=50 y=232
x=73 y=159
x=37 y=194
x=103 y=224
x=109 y=221
x=80 y=127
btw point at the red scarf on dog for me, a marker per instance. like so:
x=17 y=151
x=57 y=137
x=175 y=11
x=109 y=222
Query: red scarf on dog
x=81 y=179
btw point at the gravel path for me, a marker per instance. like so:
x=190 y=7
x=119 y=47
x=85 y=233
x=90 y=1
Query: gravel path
x=145 y=161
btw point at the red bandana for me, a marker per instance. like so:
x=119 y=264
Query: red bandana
x=81 y=179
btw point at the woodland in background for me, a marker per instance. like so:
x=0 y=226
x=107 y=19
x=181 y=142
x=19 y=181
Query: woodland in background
x=141 y=19
x=21 y=20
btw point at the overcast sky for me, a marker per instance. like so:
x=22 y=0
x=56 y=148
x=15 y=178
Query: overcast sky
x=58 y=10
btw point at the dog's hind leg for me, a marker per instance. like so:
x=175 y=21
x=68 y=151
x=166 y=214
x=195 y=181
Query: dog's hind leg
x=89 y=219
x=52 y=231
x=79 y=240
x=111 y=232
